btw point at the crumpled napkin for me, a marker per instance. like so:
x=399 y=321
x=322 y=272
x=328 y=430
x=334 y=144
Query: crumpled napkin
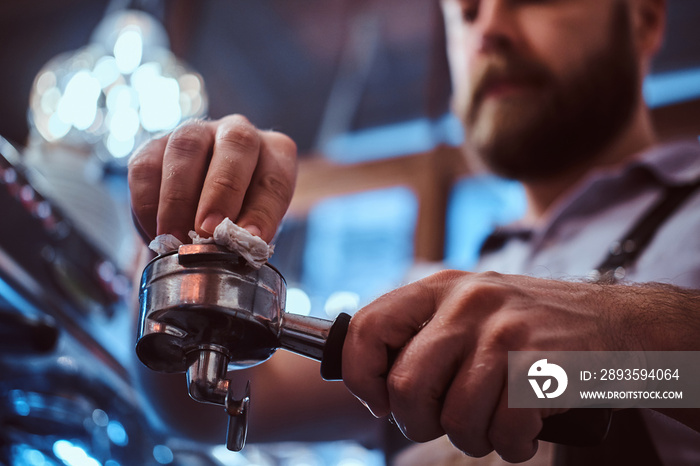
x=239 y=240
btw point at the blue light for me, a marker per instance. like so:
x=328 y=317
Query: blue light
x=73 y=455
x=100 y=418
x=477 y=205
x=407 y=137
x=24 y=455
x=672 y=87
x=117 y=434
x=360 y=243
x=15 y=299
x=19 y=402
x=163 y=454
x=34 y=457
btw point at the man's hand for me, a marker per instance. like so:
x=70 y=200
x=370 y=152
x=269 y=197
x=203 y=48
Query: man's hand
x=452 y=332
x=205 y=171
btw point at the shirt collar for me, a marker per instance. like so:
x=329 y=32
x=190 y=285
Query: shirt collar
x=674 y=163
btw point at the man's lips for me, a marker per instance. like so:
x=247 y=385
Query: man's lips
x=505 y=88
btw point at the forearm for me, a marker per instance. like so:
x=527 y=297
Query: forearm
x=656 y=316
x=668 y=320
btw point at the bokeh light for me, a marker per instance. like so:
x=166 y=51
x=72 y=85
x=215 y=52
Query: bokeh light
x=118 y=91
x=298 y=302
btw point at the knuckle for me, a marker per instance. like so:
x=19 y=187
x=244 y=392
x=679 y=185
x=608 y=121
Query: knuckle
x=175 y=196
x=291 y=147
x=241 y=135
x=229 y=184
x=237 y=118
x=141 y=165
x=139 y=171
x=276 y=187
x=284 y=144
x=438 y=285
x=189 y=140
x=359 y=320
x=402 y=386
x=507 y=332
x=446 y=276
x=145 y=208
x=363 y=319
x=490 y=275
x=484 y=296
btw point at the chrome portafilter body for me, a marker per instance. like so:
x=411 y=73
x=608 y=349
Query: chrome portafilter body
x=204 y=310
x=203 y=297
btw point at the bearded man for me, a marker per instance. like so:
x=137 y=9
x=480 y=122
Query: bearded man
x=549 y=93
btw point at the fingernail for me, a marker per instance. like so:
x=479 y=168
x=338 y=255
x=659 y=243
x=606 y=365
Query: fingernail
x=364 y=403
x=253 y=230
x=211 y=222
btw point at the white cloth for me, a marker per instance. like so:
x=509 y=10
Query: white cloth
x=239 y=240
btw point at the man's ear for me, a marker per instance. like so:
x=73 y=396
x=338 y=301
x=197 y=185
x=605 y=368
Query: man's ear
x=648 y=23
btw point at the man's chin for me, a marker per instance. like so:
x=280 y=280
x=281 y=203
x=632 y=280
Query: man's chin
x=502 y=125
x=504 y=144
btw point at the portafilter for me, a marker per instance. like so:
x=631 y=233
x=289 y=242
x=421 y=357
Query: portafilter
x=205 y=310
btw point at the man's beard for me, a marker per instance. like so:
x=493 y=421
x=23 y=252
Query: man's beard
x=567 y=123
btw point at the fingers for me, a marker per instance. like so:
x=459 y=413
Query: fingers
x=185 y=163
x=236 y=147
x=205 y=171
x=272 y=186
x=471 y=401
x=375 y=332
x=435 y=387
x=513 y=432
x=145 y=171
x=421 y=375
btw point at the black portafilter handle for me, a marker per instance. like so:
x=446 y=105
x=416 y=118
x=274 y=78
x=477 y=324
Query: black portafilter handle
x=579 y=427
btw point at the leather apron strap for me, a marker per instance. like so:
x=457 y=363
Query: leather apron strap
x=625 y=251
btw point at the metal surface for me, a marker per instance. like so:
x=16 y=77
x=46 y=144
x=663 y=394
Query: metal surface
x=65 y=356
x=204 y=310
x=237 y=419
x=204 y=295
x=304 y=335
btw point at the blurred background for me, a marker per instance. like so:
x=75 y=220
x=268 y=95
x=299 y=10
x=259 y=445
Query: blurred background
x=383 y=194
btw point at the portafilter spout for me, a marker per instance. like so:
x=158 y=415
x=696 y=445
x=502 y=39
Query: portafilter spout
x=204 y=310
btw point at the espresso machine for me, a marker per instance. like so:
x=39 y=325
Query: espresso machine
x=204 y=310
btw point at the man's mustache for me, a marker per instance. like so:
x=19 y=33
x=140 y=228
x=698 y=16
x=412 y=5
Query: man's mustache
x=505 y=69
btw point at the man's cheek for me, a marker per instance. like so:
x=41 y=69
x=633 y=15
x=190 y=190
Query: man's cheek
x=462 y=97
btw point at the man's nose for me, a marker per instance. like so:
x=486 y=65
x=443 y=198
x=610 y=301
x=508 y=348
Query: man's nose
x=495 y=26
